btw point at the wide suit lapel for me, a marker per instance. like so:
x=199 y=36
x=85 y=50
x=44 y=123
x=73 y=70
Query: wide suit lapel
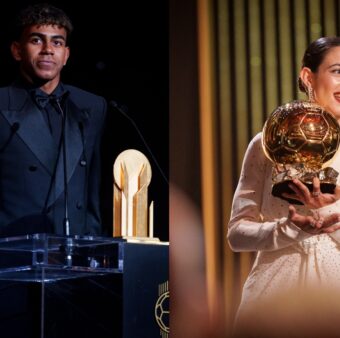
x=35 y=134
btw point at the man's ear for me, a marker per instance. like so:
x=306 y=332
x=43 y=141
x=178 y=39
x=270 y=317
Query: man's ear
x=67 y=55
x=16 y=51
x=306 y=76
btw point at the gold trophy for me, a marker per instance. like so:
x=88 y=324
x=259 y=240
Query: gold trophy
x=299 y=138
x=132 y=215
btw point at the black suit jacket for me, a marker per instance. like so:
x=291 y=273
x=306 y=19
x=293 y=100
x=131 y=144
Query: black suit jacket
x=28 y=165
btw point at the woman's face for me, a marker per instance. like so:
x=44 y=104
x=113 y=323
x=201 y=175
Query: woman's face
x=326 y=82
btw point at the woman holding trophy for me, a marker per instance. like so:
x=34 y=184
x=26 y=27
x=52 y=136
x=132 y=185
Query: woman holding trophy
x=288 y=210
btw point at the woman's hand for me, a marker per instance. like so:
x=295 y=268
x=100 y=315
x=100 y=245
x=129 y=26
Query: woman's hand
x=314 y=225
x=312 y=199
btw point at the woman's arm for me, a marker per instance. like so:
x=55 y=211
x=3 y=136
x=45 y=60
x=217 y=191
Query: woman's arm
x=247 y=229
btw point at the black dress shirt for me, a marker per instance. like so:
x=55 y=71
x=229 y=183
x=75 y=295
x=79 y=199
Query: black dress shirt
x=52 y=107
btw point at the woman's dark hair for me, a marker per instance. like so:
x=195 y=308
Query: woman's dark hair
x=315 y=54
x=41 y=14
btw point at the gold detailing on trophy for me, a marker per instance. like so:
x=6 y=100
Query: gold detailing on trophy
x=132 y=217
x=299 y=138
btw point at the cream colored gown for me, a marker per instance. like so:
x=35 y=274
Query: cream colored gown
x=287 y=257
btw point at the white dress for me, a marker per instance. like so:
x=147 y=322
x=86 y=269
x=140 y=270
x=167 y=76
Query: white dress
x=287 y=257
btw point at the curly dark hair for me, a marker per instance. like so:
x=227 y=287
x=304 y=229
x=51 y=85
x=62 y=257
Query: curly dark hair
x=315 y=54
x=41 y=14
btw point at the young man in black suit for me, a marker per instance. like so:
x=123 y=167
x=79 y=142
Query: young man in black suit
x=44 y=186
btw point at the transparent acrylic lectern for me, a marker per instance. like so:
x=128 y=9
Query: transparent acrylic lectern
x=57 y=286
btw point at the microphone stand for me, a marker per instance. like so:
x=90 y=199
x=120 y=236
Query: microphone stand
x=66 y=221
x=115 y=105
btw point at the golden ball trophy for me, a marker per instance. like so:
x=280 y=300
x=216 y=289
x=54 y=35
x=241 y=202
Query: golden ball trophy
x=299 y=137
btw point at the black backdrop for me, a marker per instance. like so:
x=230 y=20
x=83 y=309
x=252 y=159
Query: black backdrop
x=119 y=49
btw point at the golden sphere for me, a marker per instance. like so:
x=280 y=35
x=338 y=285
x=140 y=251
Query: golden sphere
x=301 y=132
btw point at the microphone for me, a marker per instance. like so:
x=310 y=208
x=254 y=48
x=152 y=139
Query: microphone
x=66 y=222
x=115 y=105
x=14 y=128
x=83 y=162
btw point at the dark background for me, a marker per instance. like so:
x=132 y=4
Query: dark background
x=119 y=49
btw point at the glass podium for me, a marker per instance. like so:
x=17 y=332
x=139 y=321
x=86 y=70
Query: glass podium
x=57 y=286
x=44 y=257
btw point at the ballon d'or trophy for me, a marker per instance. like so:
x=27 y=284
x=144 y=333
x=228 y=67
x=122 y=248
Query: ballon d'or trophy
x=299 y=138
x=132 y=216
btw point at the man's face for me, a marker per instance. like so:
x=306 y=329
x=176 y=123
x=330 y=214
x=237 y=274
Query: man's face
x=42 y=53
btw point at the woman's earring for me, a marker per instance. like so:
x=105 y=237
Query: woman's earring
x=310 y=94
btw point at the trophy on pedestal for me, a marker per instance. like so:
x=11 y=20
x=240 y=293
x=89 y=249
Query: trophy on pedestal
x=132 y=216
x=299 y=138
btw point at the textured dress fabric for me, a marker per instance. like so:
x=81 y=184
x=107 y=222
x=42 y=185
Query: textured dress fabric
x=287 y=257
